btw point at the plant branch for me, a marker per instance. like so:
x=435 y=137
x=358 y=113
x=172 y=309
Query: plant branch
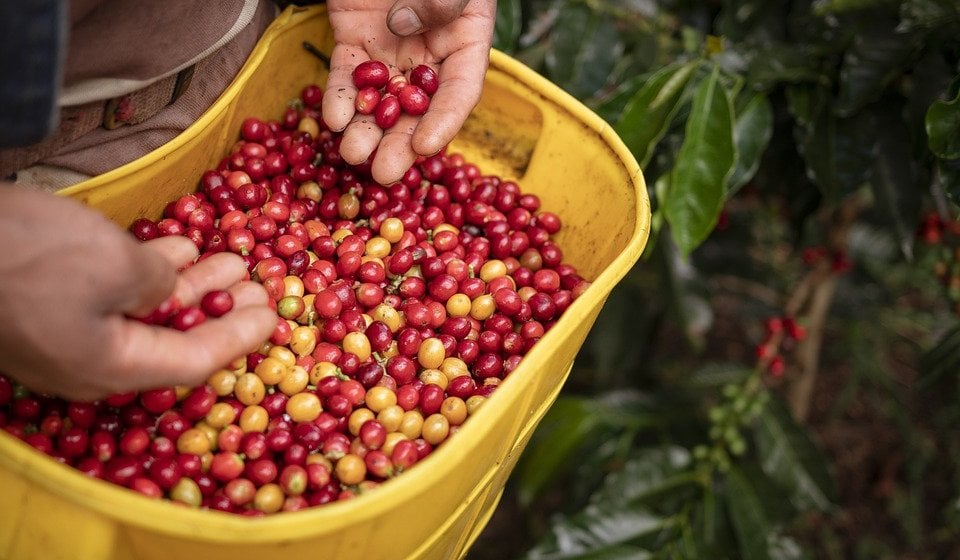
x=809 y=350
x=815 y=292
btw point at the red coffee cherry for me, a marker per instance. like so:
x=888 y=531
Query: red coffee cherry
x=413 y=100
x=387 y=112
x=371 y=74
x=426 y=78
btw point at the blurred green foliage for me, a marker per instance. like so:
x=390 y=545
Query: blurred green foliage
x=772 y=135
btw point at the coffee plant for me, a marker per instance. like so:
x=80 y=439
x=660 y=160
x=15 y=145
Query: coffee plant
x=778 y=376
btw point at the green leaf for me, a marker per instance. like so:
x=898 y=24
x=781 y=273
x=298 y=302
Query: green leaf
x=616 y=552
x=828 y=7
x=506 y=31
x=755 y=21
x=596 y=533
x=751 y=134
x=943 y=128
x=747 y=517
x=782 y=547
x=839 y=153
x=783 y=63
x=612 y=105
x=928 y=14
x=703 y=164
x=687 y=291
x=568 y=424
x=648 y=114
x=585 y=48
x=896 y=180
x=571 y=424
x=876 y=57
x=618 y=344
x=948 y=173
x=805 y=102
x=649 y=473
x=942 y=359
x=790 y=458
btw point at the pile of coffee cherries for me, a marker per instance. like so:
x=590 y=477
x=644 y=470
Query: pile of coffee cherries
x=400 y=309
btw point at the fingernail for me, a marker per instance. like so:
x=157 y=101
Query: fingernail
x=405 y=22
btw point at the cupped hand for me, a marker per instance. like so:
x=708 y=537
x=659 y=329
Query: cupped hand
x=452 y=36
x=69 y=282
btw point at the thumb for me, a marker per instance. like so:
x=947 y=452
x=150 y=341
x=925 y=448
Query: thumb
x=411 y=17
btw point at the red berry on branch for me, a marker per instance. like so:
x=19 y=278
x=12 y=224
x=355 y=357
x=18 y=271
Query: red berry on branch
x=777 y=367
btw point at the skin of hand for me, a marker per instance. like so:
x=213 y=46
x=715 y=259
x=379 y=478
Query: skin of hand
x=69 y=281
x=452 y=36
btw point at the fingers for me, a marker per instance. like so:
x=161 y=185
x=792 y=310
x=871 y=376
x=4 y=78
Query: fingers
x=163 y=356
x=169 y=357
x=360 y=139
x=411 y=17
x=159 y=356
x=177 y=250
x=216 y=272
x=395 y=154
x=340 y=96
x=461 y=83
x=248 y=294
x=153 y=274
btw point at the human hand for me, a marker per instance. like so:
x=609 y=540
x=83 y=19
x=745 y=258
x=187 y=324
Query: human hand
x=453 y=36
x=70 y=280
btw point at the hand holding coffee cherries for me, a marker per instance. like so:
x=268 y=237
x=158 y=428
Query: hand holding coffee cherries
x=410 y=38
x=70 y=281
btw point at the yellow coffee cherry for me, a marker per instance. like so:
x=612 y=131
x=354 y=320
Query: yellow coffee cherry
x=431 y=353
x=254 y=418
x=304 y=407
x=271 y=370
x=295 y=381
x=494 y=268
x=435 y=429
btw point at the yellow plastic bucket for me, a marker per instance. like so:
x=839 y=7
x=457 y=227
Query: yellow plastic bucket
x=524 y=128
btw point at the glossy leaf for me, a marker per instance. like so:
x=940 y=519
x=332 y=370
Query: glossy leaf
x=949 y=177
x=566 y=426
x=618 y=342
x=618 y=552
x=876 y=57
x=782 y=547
x=612 y=105
x=790 y=458
x=541 y=16
x=896 y=182
x=648 y=115
x=825 y=7
x=688 y=293
x=597 y=533
x=750 y=19
x=928 y=14
x=839 y=153
x=942 y=359
x=943 y=128
x=648 y=473
x=782 y=63
x=704 y=163
x=805 y=102
x=747 y=517
x=751 y=135
x=506 y=31
x=585 y=47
